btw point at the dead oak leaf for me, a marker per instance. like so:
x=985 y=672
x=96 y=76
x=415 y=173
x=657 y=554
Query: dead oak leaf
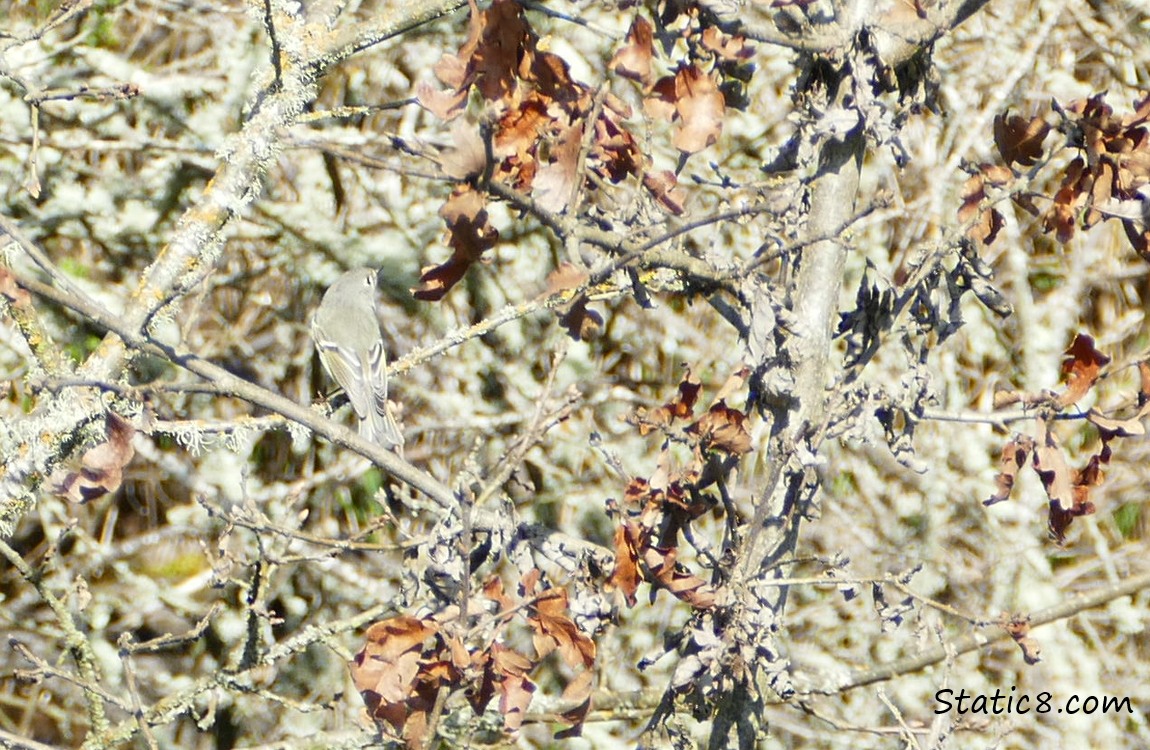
x=470 y=234
x=633 y=60
x=1050 y=463
x=664 y=188
x=1019 y=139
x=663 y=570
x=554 y=629
x=723 y=428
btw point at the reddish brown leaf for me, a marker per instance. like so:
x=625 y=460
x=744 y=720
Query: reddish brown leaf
x=565 y=276
x=582 y=324
x=1062 y=216
x=1144 y=383
x=468 y=155
x=1080 y=368
x=400 y=670
x=510 y=670
x=469 y=235
x=1015 y=454
x=102 y=467
x=633 y=60
x=1019 y=140
x=11 y=291
x=625 y=577
x=987 y=222
x=726 y=47
x=1112 y=428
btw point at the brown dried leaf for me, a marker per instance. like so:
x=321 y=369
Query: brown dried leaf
x=1015 y=454
x=1050 y=463
x=726 y=47
x=1019 y=630
x=723 y=428
x=555 y=181
x=660 y=563
x=16 y=295
x=1019 y=139
x=469 y=234
x=555 y=630
x=468 y=156
x=1112 y=428
x=700 y=106
x=664 y=188
x=102 y=467
x=577 y=692
x=1144 y=383
x=565 y=276
x=660 y=104
x=988 y=222
x=1080 y=368
x=510 y=670
x=582 y=324
x=400 y=671
x=626 y=577
x=633 y=60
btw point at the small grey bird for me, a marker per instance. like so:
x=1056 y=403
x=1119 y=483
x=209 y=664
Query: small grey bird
x=346 y=333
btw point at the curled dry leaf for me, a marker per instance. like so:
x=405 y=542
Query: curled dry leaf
x=626 y=576
x=554 y=629
x=1019 y=630
x=1081 y=367
x=681 y=406
x=509 y=670
x=400 y=670
x=102 y=467
x=661 y=566
x=1111 y=428
x=1083 y=482
x=664 y=188
x=1015 y=454
x=555 y=181
x=470 y=234
x=1050 y=463
x=725 y=46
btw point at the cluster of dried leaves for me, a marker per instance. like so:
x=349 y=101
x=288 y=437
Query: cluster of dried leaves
x=549 y=136
x=1105 y=180
x=655 y=512
x=411 y=665
x=1067 y=488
